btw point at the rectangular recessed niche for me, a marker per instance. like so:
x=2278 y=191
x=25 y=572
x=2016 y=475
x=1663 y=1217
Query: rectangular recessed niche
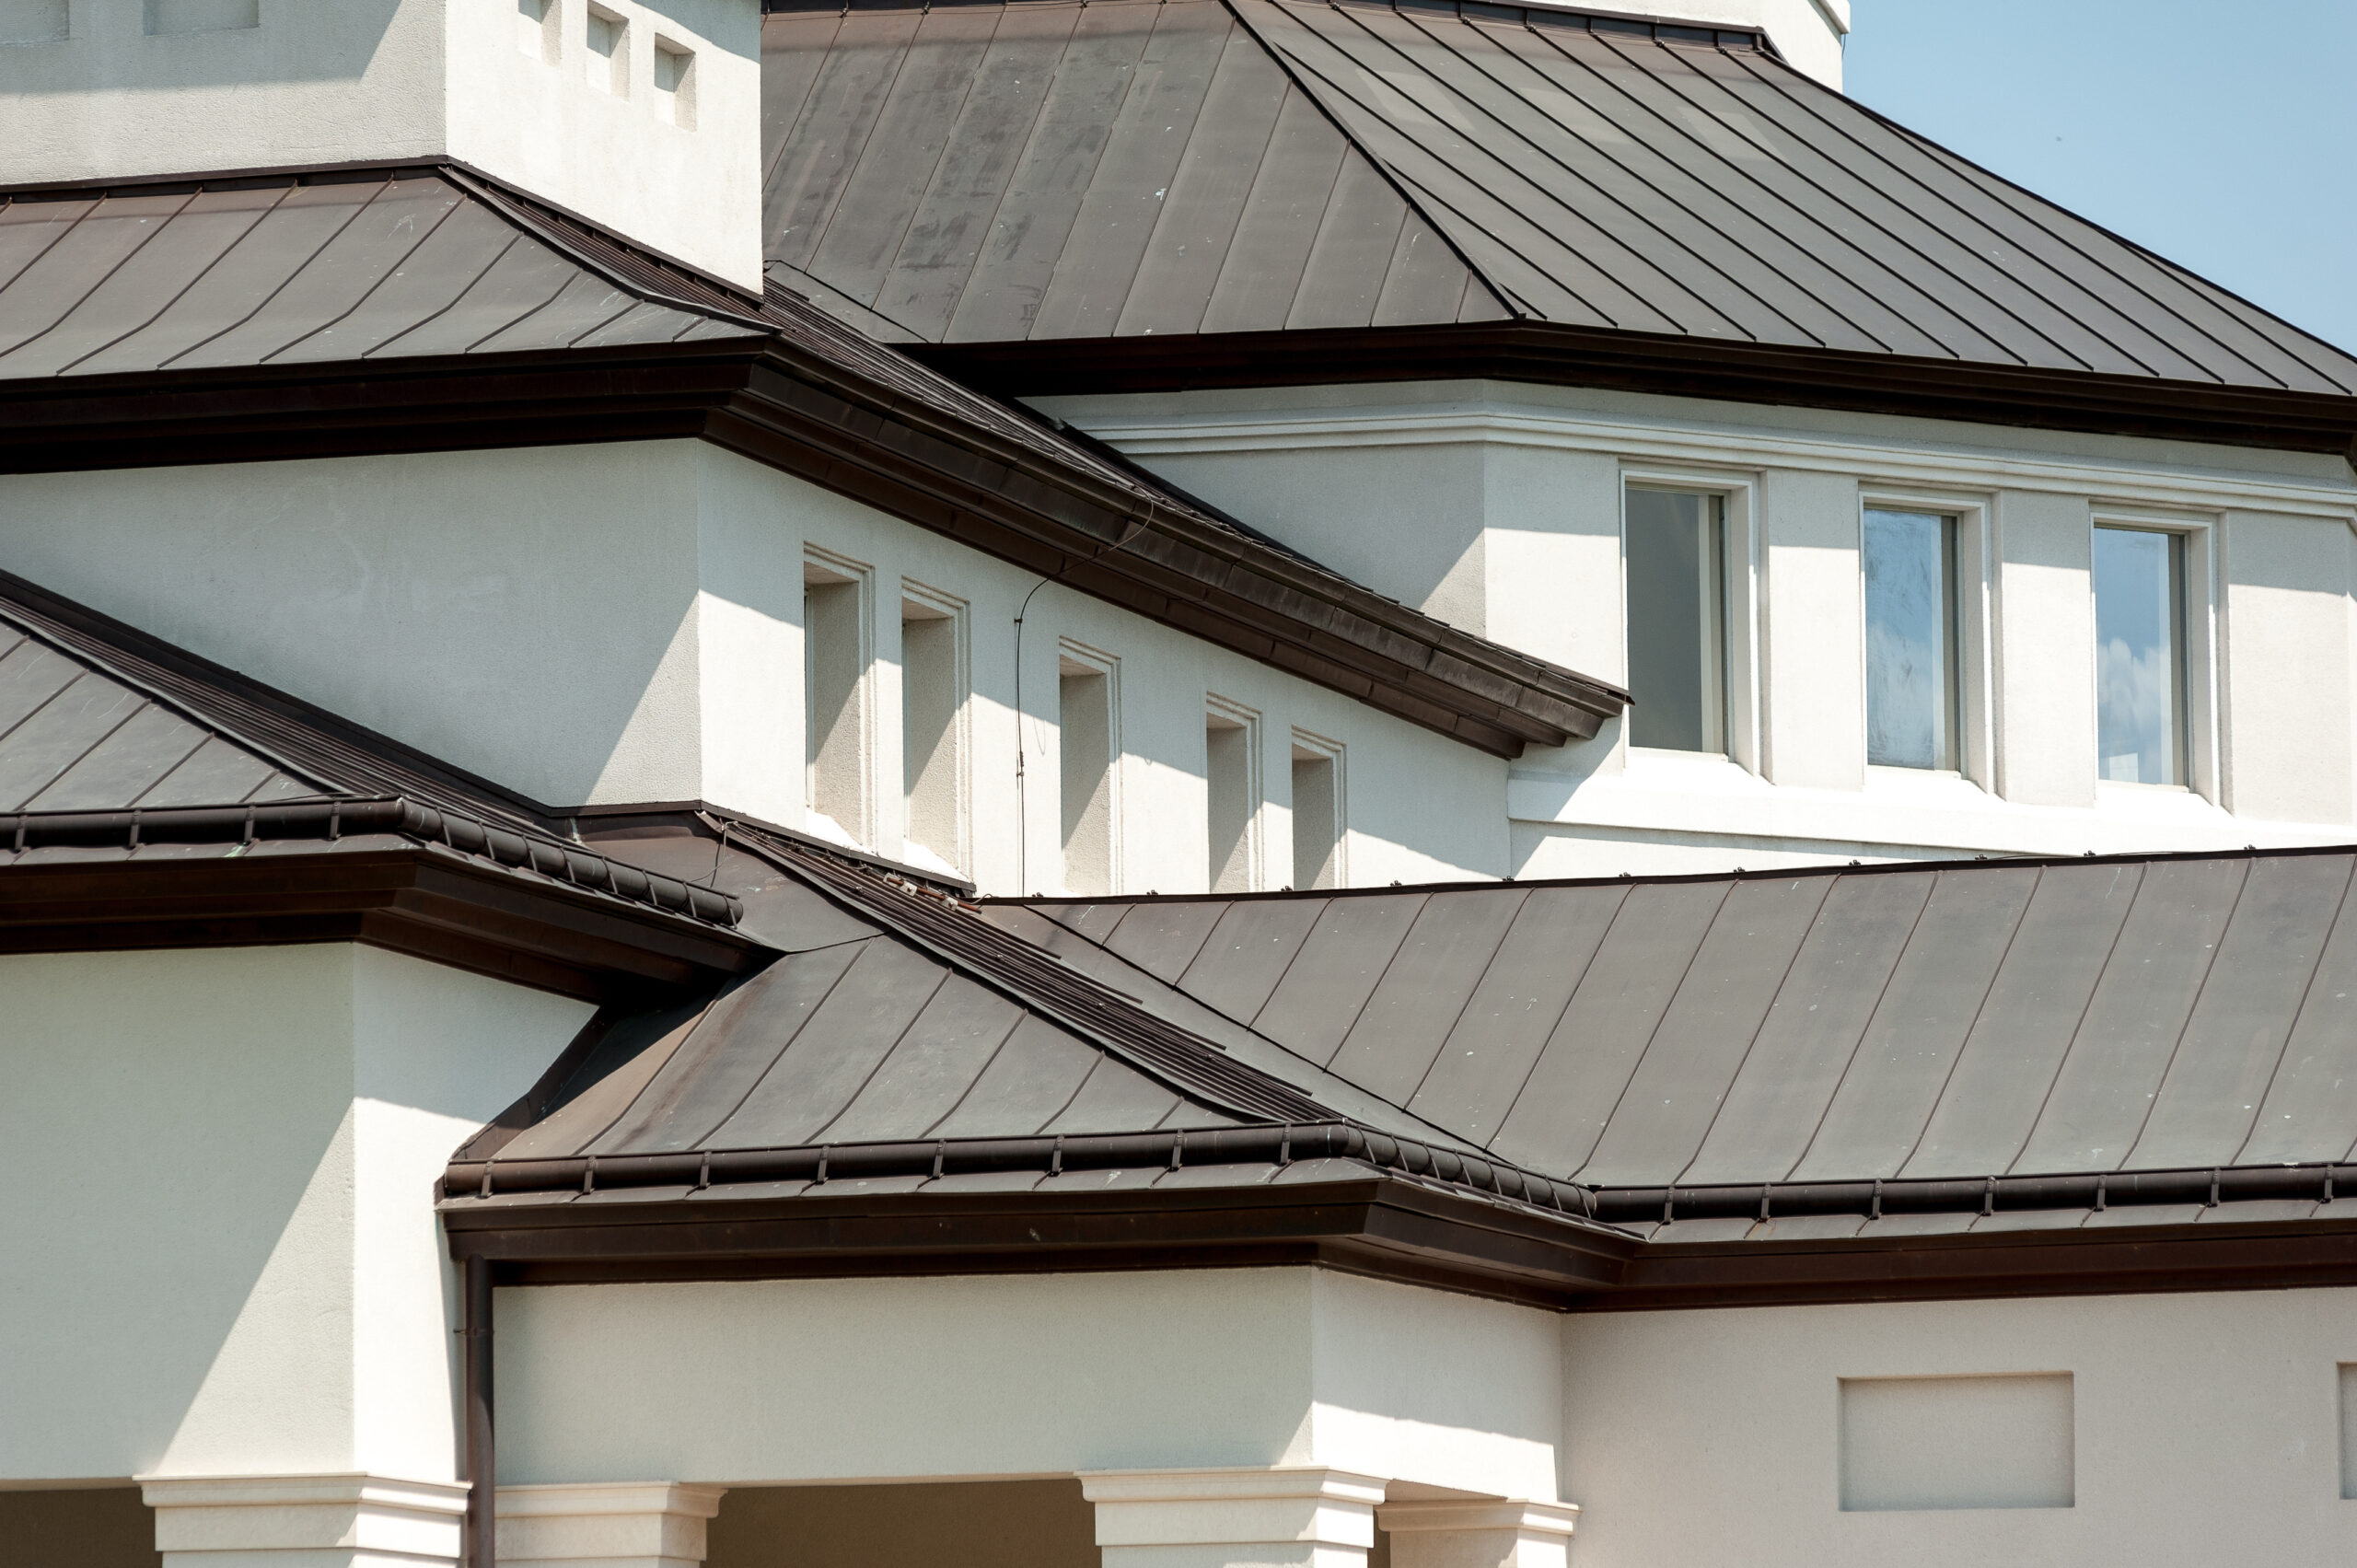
x=2349 y=1429
x=675 y=84
x=933 y=724
x=540 y=29
x=608 y=39
x=835 y=694
x=1086 y=731
x=171 y=17
x=34 y=21
x=1317 y=813
x=1232 y=785
x=1924 y=1443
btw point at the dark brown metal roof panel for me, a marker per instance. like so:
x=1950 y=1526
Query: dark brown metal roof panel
x=1180 y=172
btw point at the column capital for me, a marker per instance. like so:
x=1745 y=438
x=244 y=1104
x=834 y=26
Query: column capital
x=347 y=1517
x=1285 y=1516
x=1478 y=1532
x=656 y=1524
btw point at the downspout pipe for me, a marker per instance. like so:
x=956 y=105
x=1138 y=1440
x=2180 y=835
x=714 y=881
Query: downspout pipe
x=480 y=1469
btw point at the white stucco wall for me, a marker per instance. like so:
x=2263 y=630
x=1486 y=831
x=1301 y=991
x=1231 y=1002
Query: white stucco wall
x=612 y=623
x=221 y=1254
x=993 y=1376
x=1498 y=506
x=2206 y=1432
x=357 y=80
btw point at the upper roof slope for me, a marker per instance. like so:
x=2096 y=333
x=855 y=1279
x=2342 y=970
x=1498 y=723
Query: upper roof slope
x=1036 y=169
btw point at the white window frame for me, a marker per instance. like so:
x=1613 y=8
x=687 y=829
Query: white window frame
x=1740 y=575
x=1975 y=589
x=2204 y=756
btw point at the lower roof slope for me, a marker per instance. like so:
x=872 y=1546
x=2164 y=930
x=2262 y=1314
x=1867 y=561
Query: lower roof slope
x=1629 y=1093
x=1175 y=172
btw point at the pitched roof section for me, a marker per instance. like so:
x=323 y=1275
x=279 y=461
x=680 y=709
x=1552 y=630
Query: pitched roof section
x=116 y=748
x=1039 y=170
x=1966 y=1021
x=383 y=265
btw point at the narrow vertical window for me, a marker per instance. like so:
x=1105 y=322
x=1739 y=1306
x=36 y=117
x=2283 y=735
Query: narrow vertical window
x=1232 y=781
x=1317 y=814
x=1084 y=747
x=834 y=664
x=608 y=39
x=2139 y=655
x=1676 y=552
x=2348 y=1429
x=1912 y=665
x=675 y=84
x=933 y=728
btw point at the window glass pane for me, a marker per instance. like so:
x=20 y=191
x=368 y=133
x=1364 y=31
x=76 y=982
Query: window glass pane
x=1911 y=639
x=1676 y=621
x=2139 y=655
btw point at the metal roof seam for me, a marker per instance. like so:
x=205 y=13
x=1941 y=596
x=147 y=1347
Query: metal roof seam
x=292 y=273
x=1979 y=1010
x=2291 y=1030
x=434 y=315
x=2079 y=1024
x=1723 y=273
x=1924 y=146
x=1829 y=233
x=1734 y=1076
x=2193 y=1009
x=181 y=293
x=1236 y=10
x=100 y=281
x=976 y=1081
x=1471 y=991
x=60 y=237
x=882 y=1057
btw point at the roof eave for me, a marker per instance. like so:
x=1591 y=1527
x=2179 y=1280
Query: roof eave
x=1549 y=355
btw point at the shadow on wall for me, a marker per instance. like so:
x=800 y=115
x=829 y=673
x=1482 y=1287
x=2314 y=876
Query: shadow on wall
x=97 y=1527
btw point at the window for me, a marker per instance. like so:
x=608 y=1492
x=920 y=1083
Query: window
x=933 y=724
x=1676 y=550
x=1232 y=782
x=1086 y=723
x=1912 y=695
x=1917 y=1443
x=2139 y=655
x=609 y=52
x=1317 y=812
x=834 y=664
x=675 y=84
x=2349 y=1430
x=538 y=25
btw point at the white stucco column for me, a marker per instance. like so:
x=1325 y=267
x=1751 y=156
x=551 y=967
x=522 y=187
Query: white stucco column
x=1479 y=1533
x=353 y=1520
x=605 y=1525
x=1290 y=1518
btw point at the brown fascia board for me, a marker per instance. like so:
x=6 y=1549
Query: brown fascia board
x=790 y=412
x=425 y=901
x=1547 y=354
x=1377 y=1225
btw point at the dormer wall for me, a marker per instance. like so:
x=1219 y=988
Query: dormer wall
x=641 y=115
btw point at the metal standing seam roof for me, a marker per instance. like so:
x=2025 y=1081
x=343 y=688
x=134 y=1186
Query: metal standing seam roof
x=1038 y=169
x=1962 y=1021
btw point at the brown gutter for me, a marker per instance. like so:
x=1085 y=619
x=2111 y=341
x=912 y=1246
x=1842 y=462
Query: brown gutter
x=1667 y=364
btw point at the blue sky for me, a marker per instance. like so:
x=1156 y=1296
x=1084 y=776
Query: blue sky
x=2221 y=134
